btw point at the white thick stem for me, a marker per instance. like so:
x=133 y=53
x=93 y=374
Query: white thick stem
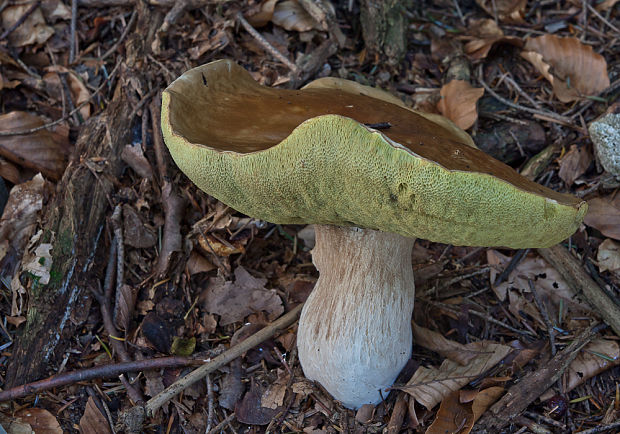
x=355 y=329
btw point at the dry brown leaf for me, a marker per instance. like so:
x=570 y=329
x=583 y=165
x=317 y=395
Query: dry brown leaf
x=43 y=151
x=261 y=14
x=574 y=69
x=604 y=215
x=461 y=409
x=136 y=233
x=605 y=5
x=290 y=15
x=608 y=256
x=124 y=306
x=211 y=244
x=574 y=164
x=134 y=157
x=33 y=30
x=510 y=11
x=273 y=397
x=40 y=420
x=79 y=92
x=93 y=421
x=549 y=284
x=250 y=411
x=483 y=34
x=441 y=345
x=199 y=264
x=458 y=102
x=10 y=172
x=429 y=386
x=233 y=301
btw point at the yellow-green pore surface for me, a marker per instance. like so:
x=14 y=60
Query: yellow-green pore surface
x=331 y=169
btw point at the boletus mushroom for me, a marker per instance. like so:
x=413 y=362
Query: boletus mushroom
x=373 y=176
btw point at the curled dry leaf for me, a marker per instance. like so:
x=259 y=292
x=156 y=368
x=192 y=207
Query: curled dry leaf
x=441 y=345
x=605 y=135
x=483 y=34
x=124 y=306
x=604 y=215
x=458 y=102
x=43 y=151
x=93 y=421
x=290 y=15
x=210 y=244
x=261 y=14
x=460 y=410
x=33 y=30
x=573 y=69
x=429 y=386
x=233 y=301
x=574 y=164
x=549 y=284
x=608 y=256
x=79 y=92
x=510 y=11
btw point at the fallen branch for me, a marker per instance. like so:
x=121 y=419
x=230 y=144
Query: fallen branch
x=576 y=277
x=522 y=394
x=104 y=371
x=133 y=419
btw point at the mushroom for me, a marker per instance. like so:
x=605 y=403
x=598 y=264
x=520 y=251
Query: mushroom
x=373 y=176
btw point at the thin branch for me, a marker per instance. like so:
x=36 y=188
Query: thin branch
x=266 y=45
x=65 y=117
x=73 y=31
x=103 y=371
x=113 y=48
x=21 y=20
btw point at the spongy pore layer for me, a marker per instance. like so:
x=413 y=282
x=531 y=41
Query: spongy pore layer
x=332 y=169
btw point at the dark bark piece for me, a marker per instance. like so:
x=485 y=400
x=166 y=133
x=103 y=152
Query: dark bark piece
x=76 y=219
x=522 y=394
x=384 y=28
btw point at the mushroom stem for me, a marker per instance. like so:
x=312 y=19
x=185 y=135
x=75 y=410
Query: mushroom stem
x=355 y=329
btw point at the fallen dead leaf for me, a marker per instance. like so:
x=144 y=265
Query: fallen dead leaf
x=124 y=306
x=443 y=346
x=260 y=15
x=608 y=256
x=483 y=34
x=574 y=69
x=43 y=151
x=458 y=102
x=290 y=15
x=429 y=386
x=510 y=11
x=136 y=233
x=233 y=301
x=40 y=420
x=93 y=421
x=273 y=397
x=596 y=357
x=33 y=30
x=134 y=157
x=249 y=410
x=40 y=264
x=549 y=284
x=604 y=215
x=210 y=244
x=79 y=92
x=574 y=164
x=461 y=409
x=199 y=264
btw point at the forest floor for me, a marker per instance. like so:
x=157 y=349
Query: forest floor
x=111 y=255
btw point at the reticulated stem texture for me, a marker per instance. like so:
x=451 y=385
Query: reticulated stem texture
x=355 y=329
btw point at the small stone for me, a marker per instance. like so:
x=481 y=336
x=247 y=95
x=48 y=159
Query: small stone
x=605 y=135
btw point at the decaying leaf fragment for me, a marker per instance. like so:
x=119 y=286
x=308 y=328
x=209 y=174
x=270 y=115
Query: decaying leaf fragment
x=510 y=11
x=429 y=386
x=574 y=69
x=574 y=164
x=608 y=256
x=483 y=34
x=290 y=15
x=458 y=102
x=33 y=30
x=604 y=215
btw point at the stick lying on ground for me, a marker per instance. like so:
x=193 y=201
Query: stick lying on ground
x=134 y=417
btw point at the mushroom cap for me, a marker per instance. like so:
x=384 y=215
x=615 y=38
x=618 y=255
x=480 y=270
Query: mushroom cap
x=307 y=156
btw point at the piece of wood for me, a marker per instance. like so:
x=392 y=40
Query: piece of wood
x=534 y=384
x=75 y=219
x=384 y=28
x=580 y=281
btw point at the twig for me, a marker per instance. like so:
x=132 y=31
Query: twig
x=221 y=425
x=65 y=117
x=601 y=428
x=103 y=371
x=514 y=261
x=113 y=48
x=574 y=275
x=134 y=418
x=73 y=31
x=21 y=20
x=545 y=315
x=211 y=404
x=545 y=113
x=266 y=45
x=522 y=394
x=602 y=18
